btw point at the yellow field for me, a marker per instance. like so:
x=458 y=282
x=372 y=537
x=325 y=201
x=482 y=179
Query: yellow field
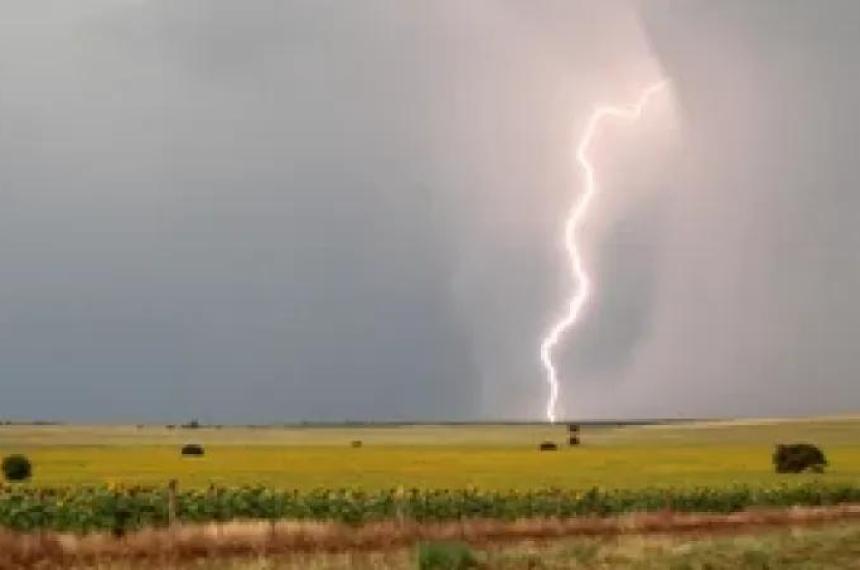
x=712 y=453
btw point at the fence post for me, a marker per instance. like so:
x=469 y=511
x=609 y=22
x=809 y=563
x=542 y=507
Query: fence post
x=171 y=502
x=399 y=505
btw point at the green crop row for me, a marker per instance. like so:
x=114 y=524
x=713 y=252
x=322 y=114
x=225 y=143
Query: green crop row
x=101 y=508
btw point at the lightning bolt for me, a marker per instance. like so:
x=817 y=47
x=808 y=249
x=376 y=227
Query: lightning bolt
x=577 y=213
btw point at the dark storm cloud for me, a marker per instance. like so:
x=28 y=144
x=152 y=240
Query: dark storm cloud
x=315 y=209
x=219 y=212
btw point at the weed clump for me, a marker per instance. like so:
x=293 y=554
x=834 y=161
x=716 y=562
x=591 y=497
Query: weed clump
x=445 y=556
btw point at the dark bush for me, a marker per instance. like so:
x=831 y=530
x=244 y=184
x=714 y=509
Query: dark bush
x=573 y=428
x=573 y=440
x=548 y=446
x=798 y=457
x=445 y=556
x=17 y=468
x=192 y=450
x=356 y=443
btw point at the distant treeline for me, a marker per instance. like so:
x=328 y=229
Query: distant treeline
x=30 y=423
x=194 y=424
x=491 y=423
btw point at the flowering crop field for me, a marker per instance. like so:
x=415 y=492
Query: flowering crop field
x=485 y=457
x=85 y=509
x=115 y=478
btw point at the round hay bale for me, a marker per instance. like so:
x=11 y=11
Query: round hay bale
x=192 y=450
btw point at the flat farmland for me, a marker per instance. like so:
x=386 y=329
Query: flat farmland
x=713 y=454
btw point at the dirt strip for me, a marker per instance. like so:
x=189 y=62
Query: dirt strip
x=164 y=547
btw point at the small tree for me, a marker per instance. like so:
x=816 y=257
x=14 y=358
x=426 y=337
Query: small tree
x=17 y=468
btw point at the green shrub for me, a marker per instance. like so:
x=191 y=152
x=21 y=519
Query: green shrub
x=798 y=457
x=445 y=556
x=17 y=468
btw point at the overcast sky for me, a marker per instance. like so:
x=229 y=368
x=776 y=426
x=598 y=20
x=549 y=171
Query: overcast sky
x=283 y=210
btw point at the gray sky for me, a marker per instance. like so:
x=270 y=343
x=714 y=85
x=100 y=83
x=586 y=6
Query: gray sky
x=283 y=210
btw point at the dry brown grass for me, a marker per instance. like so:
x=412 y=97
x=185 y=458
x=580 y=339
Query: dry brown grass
x=163 y=548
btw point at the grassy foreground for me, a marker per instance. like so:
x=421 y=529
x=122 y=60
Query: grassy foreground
x=833 y=546
x=502 y=457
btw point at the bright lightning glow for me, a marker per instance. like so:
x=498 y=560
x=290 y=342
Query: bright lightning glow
x=580 y=208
